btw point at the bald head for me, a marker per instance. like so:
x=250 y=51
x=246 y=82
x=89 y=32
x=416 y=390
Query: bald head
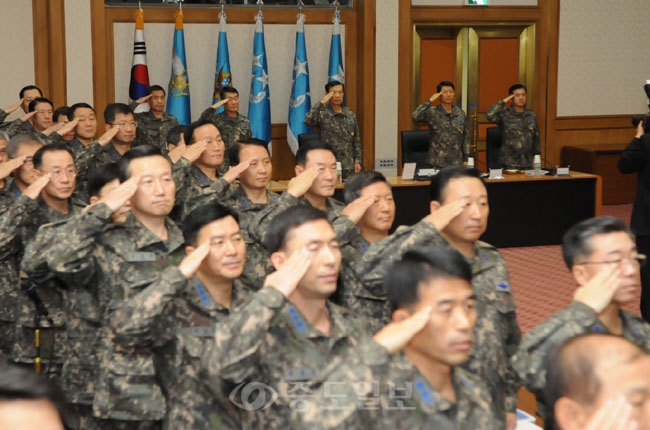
x=588 y=370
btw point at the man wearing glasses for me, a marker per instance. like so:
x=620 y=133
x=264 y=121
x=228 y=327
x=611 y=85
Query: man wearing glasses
x=602 y=256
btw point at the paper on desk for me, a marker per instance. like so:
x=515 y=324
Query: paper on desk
x=527 y=425
x=532 y=172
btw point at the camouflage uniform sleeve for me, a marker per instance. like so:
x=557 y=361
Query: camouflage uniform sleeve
x=420 y=114
x=259 y=225
x=336 y=401
x=140 y=320
x=358 y=151
x=53 y=138
x=85 y=156
x=134 y=105
x=346 y=230
x=512 y=381
x=34 y=262
x=3 y=115
x=220 y=190
x=529 y=362
x=18 y=215
x=315 y=115
x=72 y=255
x=180 y=172
x=380 y=255
x=207 y=115
x=239 y=341
x=13 y=128
x=495 y=112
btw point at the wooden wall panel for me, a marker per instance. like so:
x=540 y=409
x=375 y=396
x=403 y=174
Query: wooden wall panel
x=49 y=49
x=498 y=69
x=437 y=63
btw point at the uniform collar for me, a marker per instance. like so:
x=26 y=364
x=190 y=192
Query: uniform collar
x=200 y=297
x=144 y=237
x=340 y=327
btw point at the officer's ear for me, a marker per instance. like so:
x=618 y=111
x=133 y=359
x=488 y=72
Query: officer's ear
x=400 y=315
x=299 y=169
x=278 y=259
x=93 y=200
x=580 y=274
x=189 y=249
x=434 y=205
x=569 y=414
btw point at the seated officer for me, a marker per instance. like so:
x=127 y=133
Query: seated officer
x=289 y=330
x=602 y=256
x=598 y=381
x=409 y=376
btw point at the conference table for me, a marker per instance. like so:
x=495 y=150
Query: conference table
x=524 y=210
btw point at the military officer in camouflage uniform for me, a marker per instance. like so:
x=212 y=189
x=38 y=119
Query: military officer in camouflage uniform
x=81 y=306
x=177 y=316
x=86 y=128
x=27 y=95
x=602 y=256
x=232 y=125
x=116 y=261
x=519 y=130
x=460 y=192
x=13 y=219
x=289 y=330
x=449 y=133
x=421 y=385
x=156 y=123
x=337 y=125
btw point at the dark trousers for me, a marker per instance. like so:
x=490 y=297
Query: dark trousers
x=643 y=247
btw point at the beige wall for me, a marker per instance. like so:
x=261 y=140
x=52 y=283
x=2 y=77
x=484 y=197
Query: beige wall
x=17 y=53
x=603 y=57
x=462 y=2
x=201 y=54
x=78 y=52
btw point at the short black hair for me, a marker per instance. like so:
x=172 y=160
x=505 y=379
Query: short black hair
x=311 y=145
x=174 y=135
x=140 y=151
x=440 y=181
x=17 y=383
x=153 y=88
x=419 y=265
x=21 y=94
x=188 y=133
x=577 y=240
x=33 y=103
x=116 y=108
x=445 y=84
x=571 y=371
x=235 y=149
x=224 y=90
x=204 y=215
x=358 y=181
x=38 y=155
x=286 y=221
x=331 y=84
x=63 y=110
x=101 y=176
x=517 y=87
x=76 y=106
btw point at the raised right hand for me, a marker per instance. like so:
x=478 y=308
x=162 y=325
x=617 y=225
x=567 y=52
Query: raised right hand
x=443 y=215
x=106 y=138
x=192 y=262
x=599 y=291
x=220 y=103
x=434 y=97
x=12 y=164
x=34 y=190
x=287 y=277
x=27 y=116
x=356 y=208
x=116 y=198
x=395 y=335
x=299 y=185
x=193 y=152
x=326 y=98
x=14 y=106
x=614 y=414
x=507 y=99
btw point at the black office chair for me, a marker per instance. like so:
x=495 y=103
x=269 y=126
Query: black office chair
x=492 y=147
x=305 y=137
x=415 y=145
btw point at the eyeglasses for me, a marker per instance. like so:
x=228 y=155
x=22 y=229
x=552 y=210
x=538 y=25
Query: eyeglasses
x=639 y=259
x=125 y=124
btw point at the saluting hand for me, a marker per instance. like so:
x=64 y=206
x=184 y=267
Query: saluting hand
x=220 y=103
x=143 y=99
x=434 y=97
x=34 y=190
x=192 y=262
x=234 y=171
x=442 y=216
x=507 y=99
x=615 y=414
x=287 y=277
x=355 y=209
x=12 y=164
x=118 y=197
x=396 y=335
x=193 y=152
x=599 y=291
x=14 y=106
x=27 y=116
x=299 y=185
x=176 y=153
x=106 y=138
x=327 y=97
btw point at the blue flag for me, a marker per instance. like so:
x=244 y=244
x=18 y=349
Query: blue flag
x=335 y=70
x=222 y=76
x=259 y=104
x=300 y=102
x=178 y=96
